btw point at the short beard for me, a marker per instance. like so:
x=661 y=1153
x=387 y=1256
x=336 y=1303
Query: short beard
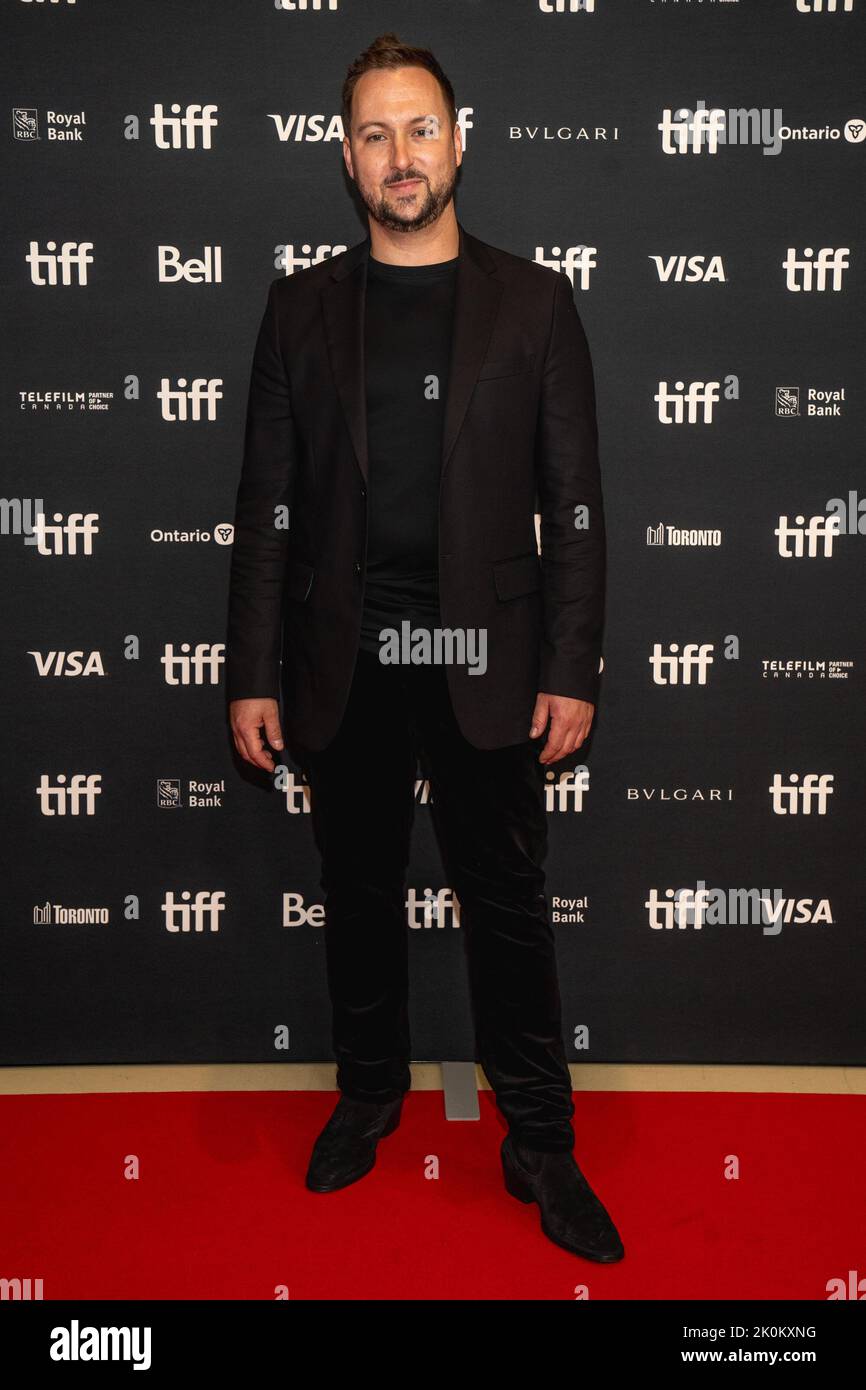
x=431 y=208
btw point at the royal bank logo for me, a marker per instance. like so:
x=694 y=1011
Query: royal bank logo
x=787 y=400
x=820 y=403
x=568 y=911
x=25 y=123
x=169 y=793
x=60 y=126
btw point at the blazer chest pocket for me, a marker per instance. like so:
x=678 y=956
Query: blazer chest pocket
x=299 y=580
x=506 y=366
x=520 y=575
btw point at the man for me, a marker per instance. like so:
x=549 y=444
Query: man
x=410 y=401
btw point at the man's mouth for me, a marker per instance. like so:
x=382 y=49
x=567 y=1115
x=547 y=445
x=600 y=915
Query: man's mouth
x=401 y=187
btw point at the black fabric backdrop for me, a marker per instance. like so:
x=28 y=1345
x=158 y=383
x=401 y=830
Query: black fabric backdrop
x=677 y=791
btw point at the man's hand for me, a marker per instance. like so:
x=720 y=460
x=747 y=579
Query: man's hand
x=247 y=717
x=570 y=721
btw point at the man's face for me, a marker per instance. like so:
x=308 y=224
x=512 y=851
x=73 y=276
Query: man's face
x=401 y=150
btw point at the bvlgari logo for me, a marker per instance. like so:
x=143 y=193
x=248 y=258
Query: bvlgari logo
x=692 y=795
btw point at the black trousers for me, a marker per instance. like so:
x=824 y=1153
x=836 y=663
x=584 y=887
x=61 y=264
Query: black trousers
x=491 y=825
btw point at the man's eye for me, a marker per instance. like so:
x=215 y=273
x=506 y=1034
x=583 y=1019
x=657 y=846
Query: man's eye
x=374 y=136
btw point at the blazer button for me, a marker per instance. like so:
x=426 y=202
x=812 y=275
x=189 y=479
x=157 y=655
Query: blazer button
x=363 y=491
x=357 y=566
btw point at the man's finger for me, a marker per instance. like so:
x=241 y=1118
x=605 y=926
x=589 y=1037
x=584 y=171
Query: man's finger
x=552 y=750
x=273 y=732
x=255 y=753
x=539 y=716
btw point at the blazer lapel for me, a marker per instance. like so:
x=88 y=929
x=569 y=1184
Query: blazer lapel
x=476 y=304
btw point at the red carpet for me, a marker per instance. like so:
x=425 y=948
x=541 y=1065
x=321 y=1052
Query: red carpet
x=219 y=1209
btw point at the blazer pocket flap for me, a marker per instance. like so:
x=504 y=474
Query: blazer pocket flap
x=299 y=579
x=506 y=366
x=520 y=575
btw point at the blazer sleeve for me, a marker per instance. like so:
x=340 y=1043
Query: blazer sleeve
x=573 y=539
x=259 y=552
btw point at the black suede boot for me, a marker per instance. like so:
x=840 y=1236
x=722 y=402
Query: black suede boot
x=346 y=1148
x=571 y=1214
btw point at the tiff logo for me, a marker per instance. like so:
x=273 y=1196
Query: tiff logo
x=72 y=256
x=566 y=6
x=194 y=915
x=176 y=132
x=677 y=668
x=73 y=798
x=794 y=800
x=686 y=400
x=184 y=668
x=183 y=402
x=805 y=274
x=289 y=260
x=301 y=5
x=805 y=536
x=581 y=258
x=827 y=6
x=62 y=539
x=564 y=791
x=703 y=127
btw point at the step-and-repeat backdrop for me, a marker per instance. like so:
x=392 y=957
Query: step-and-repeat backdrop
x=698 y=171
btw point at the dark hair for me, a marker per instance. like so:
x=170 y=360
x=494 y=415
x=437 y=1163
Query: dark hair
x=388 y=52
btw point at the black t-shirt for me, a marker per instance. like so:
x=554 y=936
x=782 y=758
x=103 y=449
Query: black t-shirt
x=407 y=346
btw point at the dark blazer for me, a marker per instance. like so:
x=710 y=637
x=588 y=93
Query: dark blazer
x=520 y=436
